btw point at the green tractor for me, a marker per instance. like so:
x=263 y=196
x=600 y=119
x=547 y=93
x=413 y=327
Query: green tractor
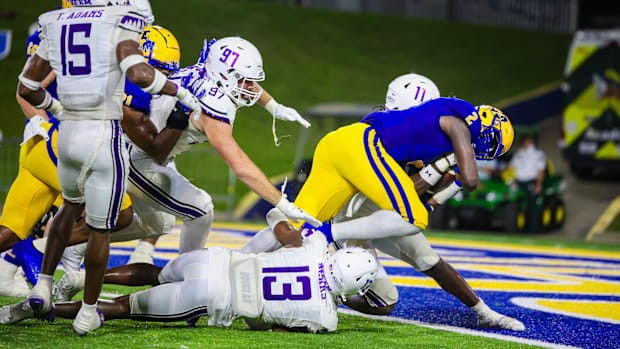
x=501 y=204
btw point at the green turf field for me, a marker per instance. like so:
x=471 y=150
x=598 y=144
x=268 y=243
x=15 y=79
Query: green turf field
x=353 y=332
x=313 y=56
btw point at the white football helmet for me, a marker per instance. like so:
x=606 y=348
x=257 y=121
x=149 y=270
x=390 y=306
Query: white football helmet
x=410 y=90
x=233 y=62
x=350 y=270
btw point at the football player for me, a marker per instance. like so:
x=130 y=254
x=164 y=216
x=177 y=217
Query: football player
x=294 y=288
x=159 y=50
x=89 y=49
x=36 y=185
x=403 y=93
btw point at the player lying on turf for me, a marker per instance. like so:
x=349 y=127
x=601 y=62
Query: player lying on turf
x=295 y=288
x=404 y=92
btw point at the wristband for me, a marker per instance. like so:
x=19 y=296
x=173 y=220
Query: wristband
x=271 y=106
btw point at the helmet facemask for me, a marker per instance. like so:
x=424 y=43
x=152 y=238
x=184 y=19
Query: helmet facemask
x=496 y=135
x=489 y=144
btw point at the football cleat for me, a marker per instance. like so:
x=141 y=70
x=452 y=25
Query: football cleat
x=87 y=321
x=40 y=301
x=497 y=320
x=69 y=285
x=29 y=259
x=13 y=313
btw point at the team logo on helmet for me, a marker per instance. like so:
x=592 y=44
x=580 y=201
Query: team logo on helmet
x=160 y=48
x=496 y=134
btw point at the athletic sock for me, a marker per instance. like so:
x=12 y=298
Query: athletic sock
x=39 y=244
x=72 y=257
x=380 y=224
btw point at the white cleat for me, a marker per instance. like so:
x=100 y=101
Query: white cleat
x=87 y=320
x=40 y=300
x=69 y=285
x=497 y=320
x=10 y=314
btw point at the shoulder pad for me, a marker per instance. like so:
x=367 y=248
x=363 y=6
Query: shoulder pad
x=131 y=18
x=215 y=103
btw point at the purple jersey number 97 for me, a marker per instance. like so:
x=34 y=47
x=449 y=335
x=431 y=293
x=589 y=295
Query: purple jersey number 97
x=227 y=53
x=269 y=281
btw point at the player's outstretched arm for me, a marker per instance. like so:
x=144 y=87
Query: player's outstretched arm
x=150 y=80
x=460 y=137
x=280 y=111
x=143 y=132
x=220 y=136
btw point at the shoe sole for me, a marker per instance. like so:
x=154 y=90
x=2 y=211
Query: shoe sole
x=36 y=305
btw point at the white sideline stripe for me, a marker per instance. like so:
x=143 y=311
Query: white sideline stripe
x=532 y=303
x=459 y=330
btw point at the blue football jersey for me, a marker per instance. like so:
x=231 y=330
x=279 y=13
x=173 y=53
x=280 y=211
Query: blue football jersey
x=135 y=98
x=414 y=134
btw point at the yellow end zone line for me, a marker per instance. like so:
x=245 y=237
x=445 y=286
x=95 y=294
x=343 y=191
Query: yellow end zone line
x=550 y=250
x=450 y=242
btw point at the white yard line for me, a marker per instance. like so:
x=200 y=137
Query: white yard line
x=457 y=330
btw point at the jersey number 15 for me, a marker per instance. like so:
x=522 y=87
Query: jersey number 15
x=69 y=51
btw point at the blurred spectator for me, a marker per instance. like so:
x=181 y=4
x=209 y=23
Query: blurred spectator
x=488 y=169
x=528 y=164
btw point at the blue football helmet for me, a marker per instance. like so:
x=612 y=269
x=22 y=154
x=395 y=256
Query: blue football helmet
x=497 y=133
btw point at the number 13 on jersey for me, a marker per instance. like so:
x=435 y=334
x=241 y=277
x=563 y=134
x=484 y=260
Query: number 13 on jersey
x=287 y=283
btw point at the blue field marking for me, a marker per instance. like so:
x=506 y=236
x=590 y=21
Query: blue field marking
x=538 y=276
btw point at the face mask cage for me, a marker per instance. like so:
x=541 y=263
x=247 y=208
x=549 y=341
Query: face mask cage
x=243 y=96
x=489 y=143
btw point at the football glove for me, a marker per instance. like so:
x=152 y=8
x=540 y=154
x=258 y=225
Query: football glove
x=33 y=128
x=178 y=118
x=295 y=213
x=289 y=114
x=190 y=101
x=282 y=112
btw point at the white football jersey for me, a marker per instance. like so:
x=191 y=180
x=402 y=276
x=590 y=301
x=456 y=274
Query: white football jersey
x=213 y=102
x=294 y=287
x=80 y=44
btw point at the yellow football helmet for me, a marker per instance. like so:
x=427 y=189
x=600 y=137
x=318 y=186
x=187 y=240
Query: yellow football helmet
x=496 y=135
x=66 y=3
x=160 y=48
